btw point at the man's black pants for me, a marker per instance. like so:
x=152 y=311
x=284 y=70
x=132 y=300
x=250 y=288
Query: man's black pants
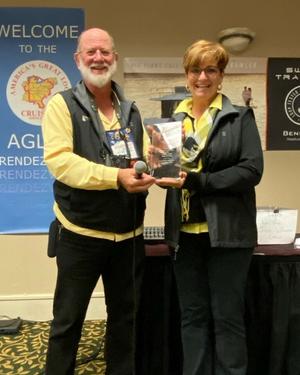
x=81 y=260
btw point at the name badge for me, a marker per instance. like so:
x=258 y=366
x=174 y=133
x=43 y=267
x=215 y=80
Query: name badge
x=122 y=143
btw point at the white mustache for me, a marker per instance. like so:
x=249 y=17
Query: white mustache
x=99 y=66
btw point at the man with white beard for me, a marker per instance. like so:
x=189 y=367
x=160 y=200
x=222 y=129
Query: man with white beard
x=92 y=138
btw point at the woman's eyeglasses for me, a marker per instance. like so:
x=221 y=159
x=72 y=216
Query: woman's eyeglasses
x=209 y=71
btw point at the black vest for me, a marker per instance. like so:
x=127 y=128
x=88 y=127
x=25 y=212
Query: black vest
x=110 y=210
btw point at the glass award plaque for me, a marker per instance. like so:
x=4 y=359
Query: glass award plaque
x=164 y=151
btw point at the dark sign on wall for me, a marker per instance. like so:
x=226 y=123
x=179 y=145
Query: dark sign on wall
x=283 y=104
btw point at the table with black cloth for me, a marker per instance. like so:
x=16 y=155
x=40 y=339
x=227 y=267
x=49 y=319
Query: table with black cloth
x=272 y=313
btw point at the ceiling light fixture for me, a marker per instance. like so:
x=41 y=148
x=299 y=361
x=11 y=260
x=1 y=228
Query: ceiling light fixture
x=236 y=39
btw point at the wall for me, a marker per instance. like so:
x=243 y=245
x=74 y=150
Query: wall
x=156 y=28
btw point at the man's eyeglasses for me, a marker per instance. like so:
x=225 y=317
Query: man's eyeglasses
x=209 y=71
x=92 y=52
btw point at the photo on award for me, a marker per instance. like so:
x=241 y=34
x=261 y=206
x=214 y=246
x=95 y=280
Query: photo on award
x=164 y=150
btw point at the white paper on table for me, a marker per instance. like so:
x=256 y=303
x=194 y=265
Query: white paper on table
x=276 y=226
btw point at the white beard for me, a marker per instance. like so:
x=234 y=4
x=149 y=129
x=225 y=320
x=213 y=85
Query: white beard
x=98 y=80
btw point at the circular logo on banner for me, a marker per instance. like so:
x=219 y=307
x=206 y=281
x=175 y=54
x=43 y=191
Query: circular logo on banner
x=292 y=105
x=31 y=85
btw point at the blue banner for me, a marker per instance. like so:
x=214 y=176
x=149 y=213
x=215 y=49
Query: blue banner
x=36 y=61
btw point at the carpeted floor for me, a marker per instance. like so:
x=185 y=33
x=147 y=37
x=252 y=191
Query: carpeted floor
x=24 y=353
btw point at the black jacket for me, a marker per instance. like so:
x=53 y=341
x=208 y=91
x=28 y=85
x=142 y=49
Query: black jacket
x=105 y=210
x=232 y=165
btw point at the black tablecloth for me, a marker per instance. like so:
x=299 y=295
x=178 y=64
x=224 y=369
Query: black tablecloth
x=272 y=314
x=273 y=311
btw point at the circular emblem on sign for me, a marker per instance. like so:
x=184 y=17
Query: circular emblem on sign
x=292 y=105
x=31 y=85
